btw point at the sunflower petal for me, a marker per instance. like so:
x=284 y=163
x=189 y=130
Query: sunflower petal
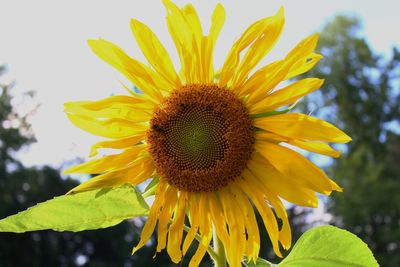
x=301 y=126
x=194 y=223
x=155 y=53
x=232 y=61
x=108 y=163
x=236 y=227
x=270 y=137
x=205 y=232
x=140 y=75
x=316 y=147
x=135 y=173
x=121 y=143
x=283 y=186
x=218 y=218
x=151 y=221
x=208 y=44
x=253 y=235
x=303 y=65
x=267 y=215
x=286 y=95
x=294 y=165
x=122 y=100
x=193 y=21
x=110 y=128
x=259 y=48
x=264 y=80
x=165 y=217
x=176 y=229
x=285 y=234
x=182 y=35
x=114 y=109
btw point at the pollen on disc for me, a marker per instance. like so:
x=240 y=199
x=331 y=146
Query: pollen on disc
x=201 y=138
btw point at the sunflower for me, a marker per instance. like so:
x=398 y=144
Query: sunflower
x=217 y=144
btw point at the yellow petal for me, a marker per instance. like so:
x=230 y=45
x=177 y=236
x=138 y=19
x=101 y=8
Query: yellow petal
x=205 y=232
x=286 y=95
x=231 y=63
x=294 y=165
x=192 y=19
x=283 y=186
x=260 y=79
x=110 y=128
x=108 y=163
x=285 y=234
x=182 y=36
x=264 y=80
x=194 y=223
x=208 y=43
x=155 y=53
x=118 y=143
x=301 y=126
x=303 y=65
x=270 y=137
x=218 y=219
x=165 y=217
x=253 y=235
x=140 y=75
x=316 y=147
x=203 y=46
x=176 y=229
x=303 y=49
x=236 y=228
x=259 y=48
x=109 y=102
x=154 y=212
x=135 y=173
x=110 y=108
x=267 y=215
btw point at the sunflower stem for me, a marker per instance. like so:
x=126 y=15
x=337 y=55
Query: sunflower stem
x=220 y=260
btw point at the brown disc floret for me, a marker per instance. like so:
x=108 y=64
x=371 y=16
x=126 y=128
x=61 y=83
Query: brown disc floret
x=201 y=138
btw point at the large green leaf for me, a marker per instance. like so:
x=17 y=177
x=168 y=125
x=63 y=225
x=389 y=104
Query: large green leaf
x=82 y=211
x=328 y=246
x=259 y=263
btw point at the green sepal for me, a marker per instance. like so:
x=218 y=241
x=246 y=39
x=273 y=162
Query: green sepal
x=151 y=187
x=89 y=210
x=270 y=113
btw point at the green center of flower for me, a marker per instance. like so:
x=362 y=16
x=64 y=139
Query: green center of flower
x=200 y=138
x=195 y=138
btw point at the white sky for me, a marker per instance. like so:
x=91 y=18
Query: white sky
x=44 y=45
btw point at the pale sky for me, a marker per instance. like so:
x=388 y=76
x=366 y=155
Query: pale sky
x=44 y=45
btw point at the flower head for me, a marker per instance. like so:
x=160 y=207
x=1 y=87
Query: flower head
x=215 y=143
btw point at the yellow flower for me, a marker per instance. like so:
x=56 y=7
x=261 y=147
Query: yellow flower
x=216 y=145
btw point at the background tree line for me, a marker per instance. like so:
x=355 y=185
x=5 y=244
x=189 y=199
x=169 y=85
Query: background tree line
x=361 y=95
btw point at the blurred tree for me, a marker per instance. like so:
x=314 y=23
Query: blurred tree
x=22 y=187
x=362 y=95
x=11 y=139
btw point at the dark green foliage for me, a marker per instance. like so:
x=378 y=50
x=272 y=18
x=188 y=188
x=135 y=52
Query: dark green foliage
x=11 y=139
x=362 y=95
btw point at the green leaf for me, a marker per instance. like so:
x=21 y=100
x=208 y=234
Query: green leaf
x=260 y=263
x=77 y=212
x=328 y=246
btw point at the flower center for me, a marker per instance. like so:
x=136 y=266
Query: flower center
x=201 y=138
